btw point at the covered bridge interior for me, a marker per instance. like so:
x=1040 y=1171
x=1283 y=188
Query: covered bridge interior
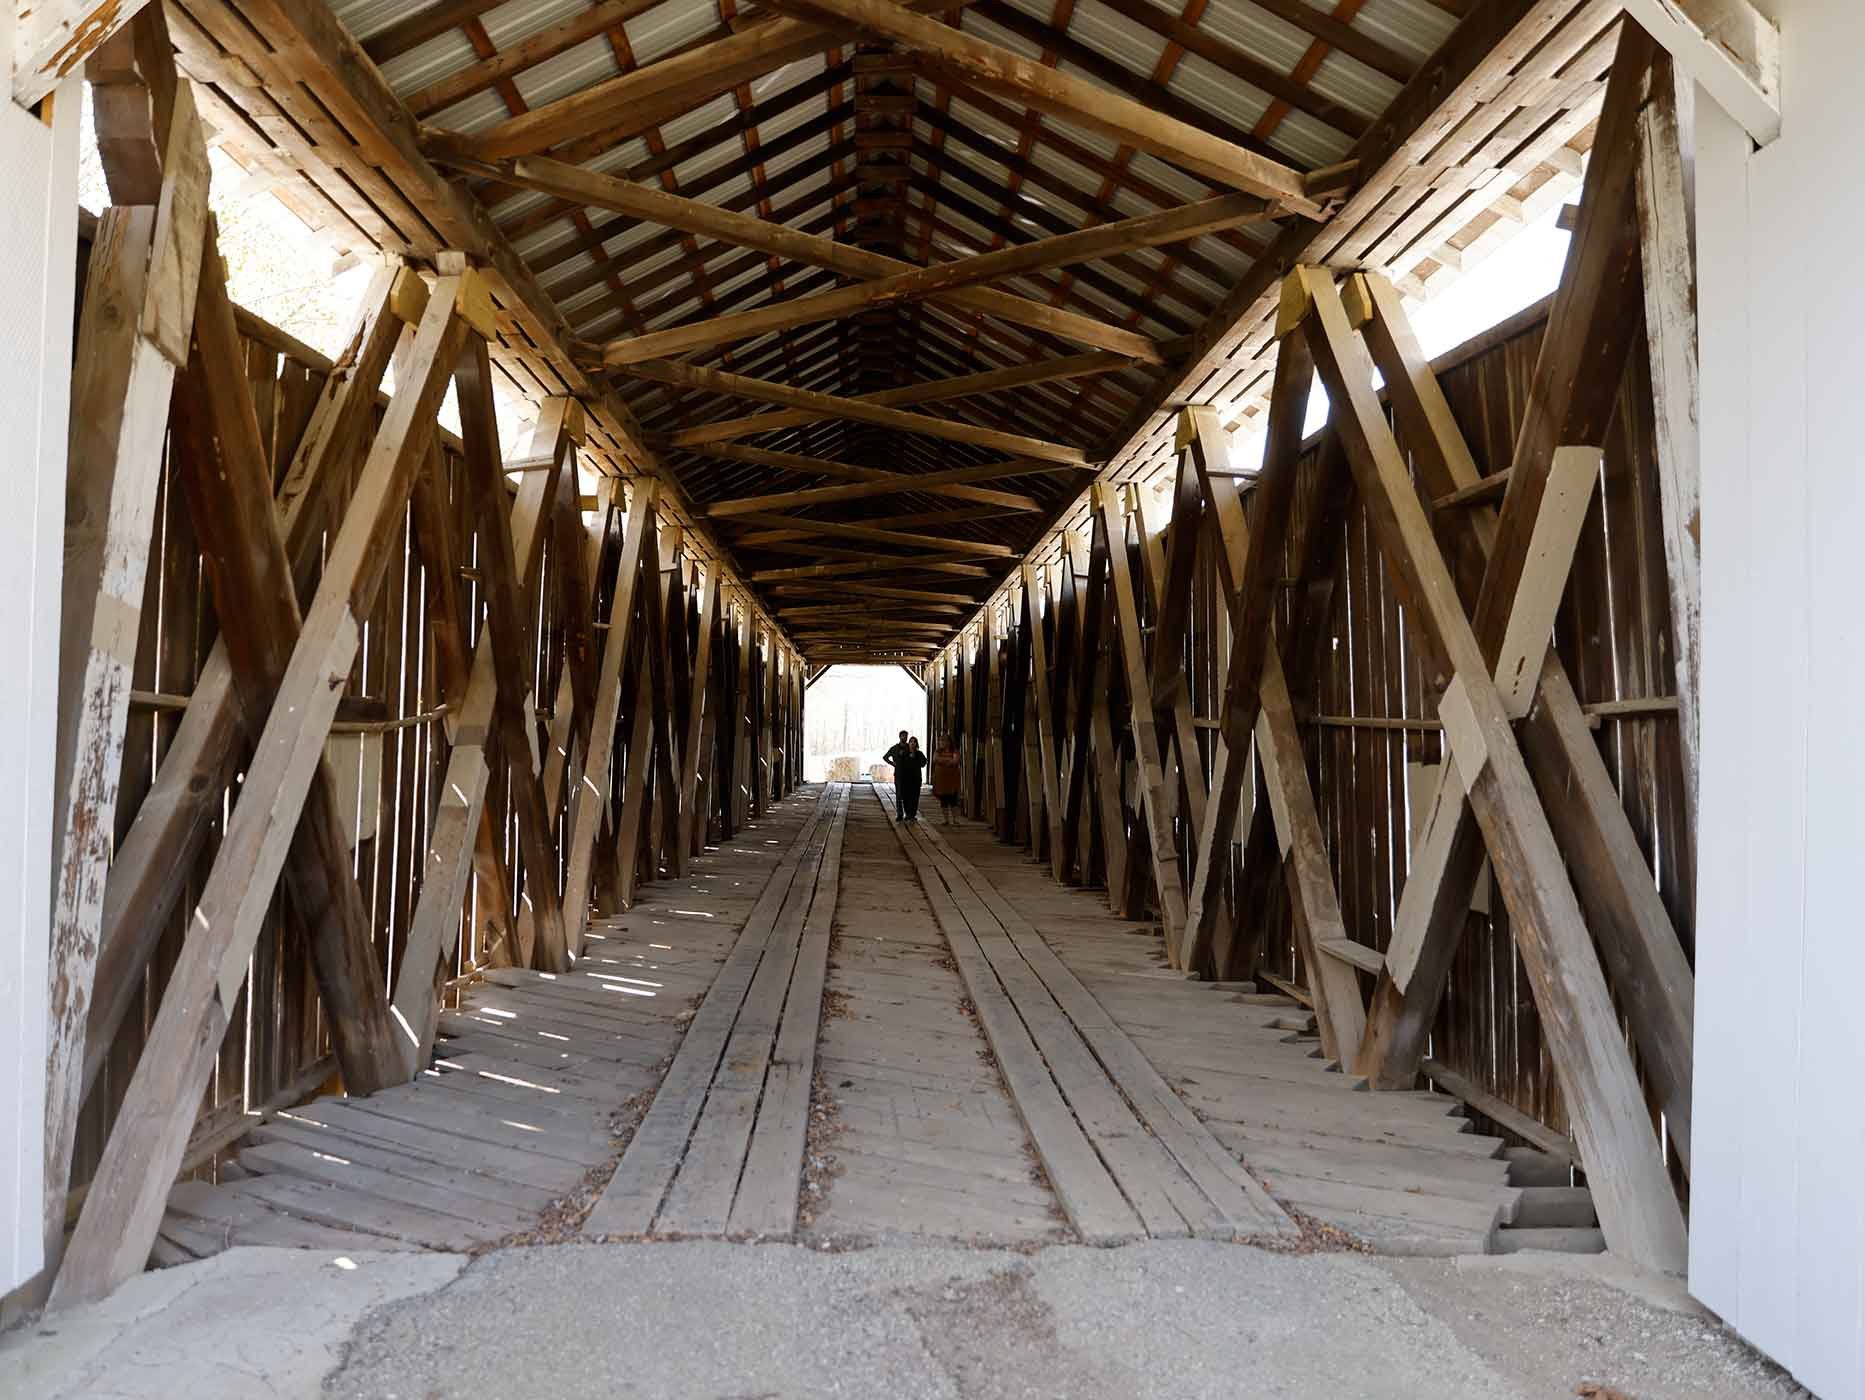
x=433 y=862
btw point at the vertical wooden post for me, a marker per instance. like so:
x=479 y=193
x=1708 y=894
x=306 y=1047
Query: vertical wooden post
x=1156 y=797
x=592 y=794
x=1668 y=261
x=1046 y=748
x=744 y=765
x=692 y=822
x=132 y=336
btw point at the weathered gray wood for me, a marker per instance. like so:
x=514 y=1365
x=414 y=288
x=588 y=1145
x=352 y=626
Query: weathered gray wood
x=766 y=1200
x=509 y=578
x=153 y=861
x=1237 y=1202
x=1667 y=251
x=632 y=1200
x=124 y=1209
x=1157 y=788
x=1082 y=1183
x=1252 y=592
x=700 y=1196
x=1637 y=1206
x=225 y=473
x=144 y=268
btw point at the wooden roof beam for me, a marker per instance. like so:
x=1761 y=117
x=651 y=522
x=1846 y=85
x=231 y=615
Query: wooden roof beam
x=861 y=490
x=836 y=529
x=1085 y=245
x=1073 y=99
x=679 y=83
x=923 y=595
x=938 y=390
x=764 y=391
x=307 y=48
x=588 y=187
x=855 y=568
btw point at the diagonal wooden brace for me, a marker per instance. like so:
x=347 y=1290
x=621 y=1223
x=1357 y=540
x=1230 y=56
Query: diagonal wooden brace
x=1637 y=1207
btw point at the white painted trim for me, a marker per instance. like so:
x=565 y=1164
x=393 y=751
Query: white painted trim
x=38 y=245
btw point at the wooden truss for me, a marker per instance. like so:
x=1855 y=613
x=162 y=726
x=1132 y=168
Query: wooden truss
x=295 y=575
x=1524 y=790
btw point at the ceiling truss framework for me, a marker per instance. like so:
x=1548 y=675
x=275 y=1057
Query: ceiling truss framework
x=877 y=289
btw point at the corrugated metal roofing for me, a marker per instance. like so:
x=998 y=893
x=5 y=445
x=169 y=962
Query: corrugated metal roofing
x=982 y=169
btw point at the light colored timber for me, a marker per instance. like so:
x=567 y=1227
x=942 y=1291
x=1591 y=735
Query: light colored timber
x=1084 y=1187
x=151 y=864
x=1729 y=47
x=53 y=38
x=632 y=1200
x=1592 y=326
x=1061 y=250
x=145 y=266
x=722 y=382
x=1668 y=262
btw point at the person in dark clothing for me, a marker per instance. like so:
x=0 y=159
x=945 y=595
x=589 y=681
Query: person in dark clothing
x=909 y=773
x=892 y=757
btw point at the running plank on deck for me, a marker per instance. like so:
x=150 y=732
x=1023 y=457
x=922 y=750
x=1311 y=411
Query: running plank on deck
x=1177 y=1176
x=1401 y=1172
x=683 y=1166
x=927 y=1141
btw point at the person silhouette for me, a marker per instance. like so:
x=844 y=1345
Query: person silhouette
x=909 y=772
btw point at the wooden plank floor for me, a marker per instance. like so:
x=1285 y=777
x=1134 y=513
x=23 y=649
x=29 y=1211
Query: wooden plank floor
x=1122 y=1124
x=927 y=1141
x=520 y=1106
x=1402 y=1172
x=842 y=1029
x=685 y=1169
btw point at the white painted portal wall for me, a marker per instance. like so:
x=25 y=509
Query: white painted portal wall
x=1778 y=1185
x=38 y=249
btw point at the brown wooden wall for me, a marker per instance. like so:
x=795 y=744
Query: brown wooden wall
x=279 y=1047
x=1358 y=687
